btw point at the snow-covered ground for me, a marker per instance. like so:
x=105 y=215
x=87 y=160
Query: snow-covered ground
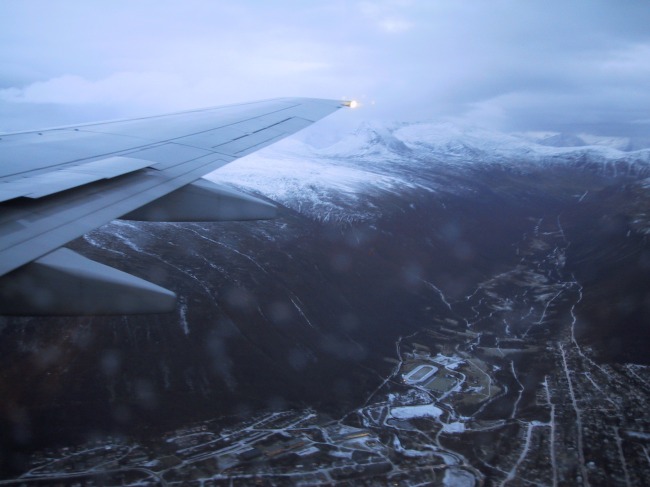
x=457 y=477
x=409 y=412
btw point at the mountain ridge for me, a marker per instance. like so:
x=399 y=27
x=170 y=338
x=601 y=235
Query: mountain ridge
x=394 y=157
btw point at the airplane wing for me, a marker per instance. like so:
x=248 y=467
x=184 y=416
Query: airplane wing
x=57 y=184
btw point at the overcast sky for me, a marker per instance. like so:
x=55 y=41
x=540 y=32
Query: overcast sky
x=511 y=64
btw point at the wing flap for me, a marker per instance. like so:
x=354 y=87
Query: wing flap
x=65 y=283
x=204 y=201
x=31 y=228
x=8 y=193
x=46 y=184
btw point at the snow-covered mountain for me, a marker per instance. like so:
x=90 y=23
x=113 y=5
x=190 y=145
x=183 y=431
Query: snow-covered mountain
x=331 y=182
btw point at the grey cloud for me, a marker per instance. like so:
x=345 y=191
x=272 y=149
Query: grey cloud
x=512 y=64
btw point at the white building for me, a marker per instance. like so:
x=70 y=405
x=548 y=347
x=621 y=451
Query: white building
x=419 y=374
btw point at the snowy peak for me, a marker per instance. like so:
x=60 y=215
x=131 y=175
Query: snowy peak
x=370 y=138
x=453 y=143
x=563 y=140
x=336 y=182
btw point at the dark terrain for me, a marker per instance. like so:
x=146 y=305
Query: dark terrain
x=296 y=312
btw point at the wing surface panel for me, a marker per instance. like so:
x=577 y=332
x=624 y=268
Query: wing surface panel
x=166 y=127
x=208 y=139
x=168 y=154
x=22 y=155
